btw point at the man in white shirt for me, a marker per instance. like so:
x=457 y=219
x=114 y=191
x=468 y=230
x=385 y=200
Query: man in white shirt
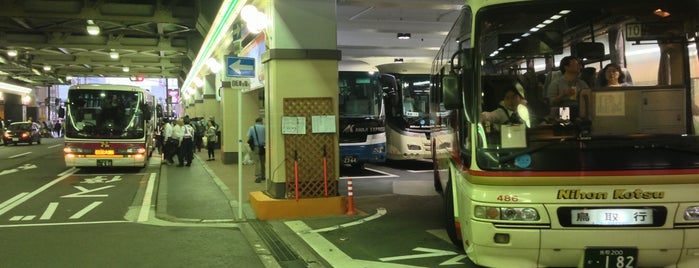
x=170 y=143
x=187 y=147
x=177 y=134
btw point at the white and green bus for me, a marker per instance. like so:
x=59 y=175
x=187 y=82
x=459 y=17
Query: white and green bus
x=609 y=178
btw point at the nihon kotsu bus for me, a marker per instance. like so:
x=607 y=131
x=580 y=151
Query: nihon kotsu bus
x=609 y=178
x=109 y=125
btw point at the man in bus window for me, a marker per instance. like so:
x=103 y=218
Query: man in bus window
x=564 y=90
x=506 y=113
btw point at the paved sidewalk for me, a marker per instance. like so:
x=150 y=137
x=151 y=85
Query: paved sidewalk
x=206 y=191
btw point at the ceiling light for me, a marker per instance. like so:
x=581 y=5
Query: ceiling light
x=15 y=88
x=47 y=68
x=114 y=55
x=213 y=65
x=12 y=53
x=125 y=69
x=403 y=36
x=92 y=29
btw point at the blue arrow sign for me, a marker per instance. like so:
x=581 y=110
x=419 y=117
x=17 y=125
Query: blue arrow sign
x=240 y=67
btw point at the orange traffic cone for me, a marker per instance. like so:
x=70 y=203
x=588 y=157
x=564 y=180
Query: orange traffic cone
x=350 y=198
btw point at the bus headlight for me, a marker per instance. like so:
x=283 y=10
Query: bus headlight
x=692 y=213
x=506 y=213
x=379 y=149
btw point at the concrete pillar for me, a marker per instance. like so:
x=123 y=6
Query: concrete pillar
x=301 y=63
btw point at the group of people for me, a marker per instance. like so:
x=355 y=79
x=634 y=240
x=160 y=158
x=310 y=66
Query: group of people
x=185 y=136
x=563 y=91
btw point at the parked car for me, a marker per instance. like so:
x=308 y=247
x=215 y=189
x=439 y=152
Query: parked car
x=22 y=132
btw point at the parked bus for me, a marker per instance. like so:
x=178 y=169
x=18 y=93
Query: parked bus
x=609 y=178
x=408 y=123
x=362 y=117
x=109 y=125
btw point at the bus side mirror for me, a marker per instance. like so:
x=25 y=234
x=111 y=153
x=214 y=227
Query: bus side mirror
x=61 y=112
x=450 y=92
x=147 y=112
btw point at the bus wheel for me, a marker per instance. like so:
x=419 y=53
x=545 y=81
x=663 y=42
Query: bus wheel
x=449 y=220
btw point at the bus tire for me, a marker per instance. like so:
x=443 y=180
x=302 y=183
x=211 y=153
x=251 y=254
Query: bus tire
x=449 y=217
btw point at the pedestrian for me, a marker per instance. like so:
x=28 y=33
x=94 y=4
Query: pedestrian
x=57 y=128
x=177 y=134
x=200 y=131
x=170 y=143
x=187 y=147
x=257 y=134
x=211 y=140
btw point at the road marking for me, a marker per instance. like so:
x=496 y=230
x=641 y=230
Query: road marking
x=13 y=199
x=85 y=210
x=20 y=168
x=26 y=197
x=430 y=252
x=18 y=155
x=84 y=190
x=379 y=212
x=329 y=252
x=61 y=223
x=147 y=199
x=419 y=171
x=49 y=211
x=386 y=175
x=454 y=261
x=68 y=171
x=54 y=146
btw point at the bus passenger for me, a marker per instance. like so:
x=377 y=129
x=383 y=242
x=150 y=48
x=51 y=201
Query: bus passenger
x=612 y=76
x=563 y=91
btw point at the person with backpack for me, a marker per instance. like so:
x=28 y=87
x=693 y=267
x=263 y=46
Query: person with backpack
x=256 y=134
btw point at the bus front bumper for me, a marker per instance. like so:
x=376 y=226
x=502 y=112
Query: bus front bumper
x=529 y=247
x=135 y=160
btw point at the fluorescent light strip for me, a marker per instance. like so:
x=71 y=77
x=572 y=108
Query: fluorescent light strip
x=219 y=29
x=15 y=88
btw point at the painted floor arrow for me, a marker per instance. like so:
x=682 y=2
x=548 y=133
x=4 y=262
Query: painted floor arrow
x=430 y=253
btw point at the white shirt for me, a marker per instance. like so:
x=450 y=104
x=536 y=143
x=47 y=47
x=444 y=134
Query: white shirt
x=167 y=133
x=187 y=131
x=178 y=132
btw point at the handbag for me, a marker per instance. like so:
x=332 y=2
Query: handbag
x=251 y=143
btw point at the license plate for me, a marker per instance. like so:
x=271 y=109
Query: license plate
x=104 y=152
x=104 y=163
x=611 y=216
x=15 y=139
x=610 y=257
x=349 y=159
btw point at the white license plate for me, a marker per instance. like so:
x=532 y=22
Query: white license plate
x=612 y=216
x=350 y=159
x=610 y=257
x=15 y=139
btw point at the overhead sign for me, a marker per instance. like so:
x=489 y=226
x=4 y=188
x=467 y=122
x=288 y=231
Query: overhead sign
x=240 y=67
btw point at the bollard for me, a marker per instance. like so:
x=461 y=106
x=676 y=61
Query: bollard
x=350 y=198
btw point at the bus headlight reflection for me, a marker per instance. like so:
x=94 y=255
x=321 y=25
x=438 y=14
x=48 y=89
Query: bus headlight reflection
x=691 y=213
x=506 y=213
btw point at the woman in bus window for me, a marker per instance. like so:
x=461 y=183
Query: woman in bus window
x=612 y=76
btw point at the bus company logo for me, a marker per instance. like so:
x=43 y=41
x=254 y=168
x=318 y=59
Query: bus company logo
x=351 y=128
x=616 y=194
x=104 y=144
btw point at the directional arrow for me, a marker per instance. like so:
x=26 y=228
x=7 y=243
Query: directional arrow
x=430 y=253
x=237 y=67
x=84 y=190
x=454 y=261
x=22 y=167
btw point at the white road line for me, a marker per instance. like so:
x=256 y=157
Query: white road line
x=26 y=197
x=147 y=199
x=332 y=254
x=386 y=175
x=419 y=171
x=18 y=155
x=68 y=171
x=54 y=146
x=61 y=223
x=379 y=212
x=85 y=210
x=13 y=199
x=49 y=211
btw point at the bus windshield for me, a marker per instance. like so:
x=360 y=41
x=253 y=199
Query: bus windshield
x=103 y=114
x=416 y=95
x=360 y=95
x=586 y=87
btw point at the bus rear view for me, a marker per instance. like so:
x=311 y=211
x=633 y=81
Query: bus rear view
x=108 y=125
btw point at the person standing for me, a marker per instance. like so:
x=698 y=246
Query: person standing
x=257 y=134
x=187 y=148
x=211 y=140
x=177 y=135
x=200 y=130
x=170 y=144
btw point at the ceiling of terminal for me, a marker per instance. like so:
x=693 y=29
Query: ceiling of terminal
x=161 y=38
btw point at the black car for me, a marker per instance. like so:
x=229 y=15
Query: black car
x=22 y=132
